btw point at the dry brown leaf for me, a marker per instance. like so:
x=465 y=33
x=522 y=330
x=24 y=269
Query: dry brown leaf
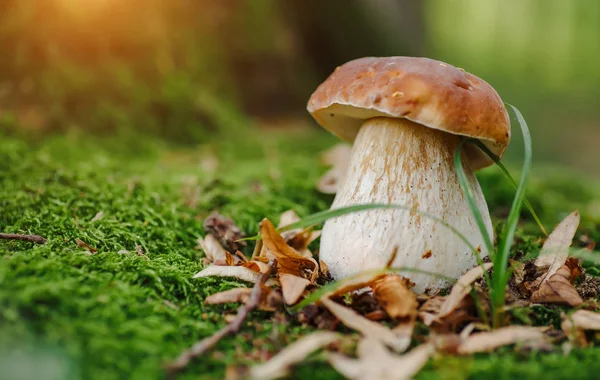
x=292 y=287
x=82 y=244
x=357 y=282
x=239 y=272
x=375 y=361
x=574 y=325
x=257 y=266
x=297 y=238
x=461 y=289
x=213 y=250
x=323 y=269
x=288 y=217
x=330 y=182
x=229 y=296
x=394 y=294
x=559 y=288
x=225 y=230
x=555 y=251
x=489 y=341
x=584 y=319
x=296 y=352
x=288 y=260
x=397 y=339
x=338 y=158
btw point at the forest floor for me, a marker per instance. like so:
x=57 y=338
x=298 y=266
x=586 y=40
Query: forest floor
x=124 y=310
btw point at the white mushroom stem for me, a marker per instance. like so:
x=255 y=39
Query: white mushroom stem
x=396 y=161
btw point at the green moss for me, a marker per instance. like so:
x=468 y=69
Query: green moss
x=116 y=314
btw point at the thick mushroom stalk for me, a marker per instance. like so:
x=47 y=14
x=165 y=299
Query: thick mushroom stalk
x=396 y=161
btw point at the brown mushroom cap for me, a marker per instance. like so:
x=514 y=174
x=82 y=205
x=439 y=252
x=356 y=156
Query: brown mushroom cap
x=425 y=91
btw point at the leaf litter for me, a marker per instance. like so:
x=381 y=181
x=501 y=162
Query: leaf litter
x=382 y=307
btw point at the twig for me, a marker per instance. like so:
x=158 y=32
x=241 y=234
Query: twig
x=207 y=343
x=32 y=238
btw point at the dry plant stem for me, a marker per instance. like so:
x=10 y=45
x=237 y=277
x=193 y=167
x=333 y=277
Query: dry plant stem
x=31 y=238
x=208 y=343
x=396 y=161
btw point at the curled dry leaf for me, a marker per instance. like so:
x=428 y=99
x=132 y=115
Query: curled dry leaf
x=297 y=238
x=559 y=288
x=292 y=287
x=394 y=294
x=288 y=260
x=555 y=251
x=257 y=266
x=225 y=230
x=239 y=272
x=213 y=250
x=375 y=361
x=338 y=158
x=489 y=341
x=461 y=289
x=397 y=339
x=296 y=352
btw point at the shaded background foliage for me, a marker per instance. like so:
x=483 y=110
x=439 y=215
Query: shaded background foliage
x=189 y=69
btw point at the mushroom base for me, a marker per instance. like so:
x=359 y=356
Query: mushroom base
x=396 y=161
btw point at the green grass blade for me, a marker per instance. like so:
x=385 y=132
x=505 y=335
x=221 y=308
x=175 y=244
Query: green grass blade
x=332 y=286
x=501 y=258
x=322 y=216
x=507 y=174
x=468 y=192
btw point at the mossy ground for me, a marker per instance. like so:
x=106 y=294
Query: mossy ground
x=65 y=314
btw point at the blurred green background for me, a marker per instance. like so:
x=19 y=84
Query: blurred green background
x=189 y=70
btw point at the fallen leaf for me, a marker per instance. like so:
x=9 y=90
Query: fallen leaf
x=559 y=288
x=257 y=266
x=489 y=341
x=288 y=259
x=297 y=238
x=292 y=287
x=288 y=217
x=82 y=244
x=555 y=250
x=97 y=217
x=229 y=296
x=394 y=294
x=213 y=250
x=375 y=361
x=270 y=299
x=324 y=269
x=331 y=181
x=461 y=289
x=575 y=324
x=397 y=339
x=225 y=230
x=238 y=272
x=279 y=365
x=356 y=282
x=338 y=158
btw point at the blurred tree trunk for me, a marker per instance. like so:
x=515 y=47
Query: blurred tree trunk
x=280 y=50
x=335 y=31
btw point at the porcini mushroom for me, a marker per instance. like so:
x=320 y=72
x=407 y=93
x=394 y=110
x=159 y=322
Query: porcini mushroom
x=406 y=117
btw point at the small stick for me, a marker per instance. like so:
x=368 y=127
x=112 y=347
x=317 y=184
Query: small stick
x=207 y=343
x=31 y=238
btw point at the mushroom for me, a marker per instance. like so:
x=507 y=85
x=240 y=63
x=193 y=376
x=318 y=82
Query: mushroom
x=406 y=117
